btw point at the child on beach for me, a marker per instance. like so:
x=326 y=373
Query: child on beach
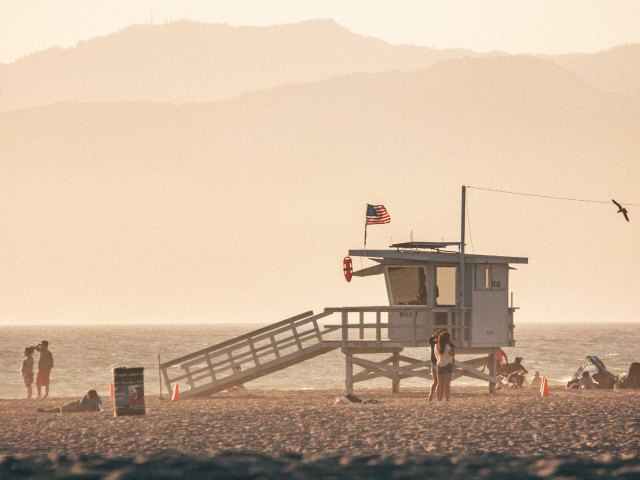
x=535 y=381
x=91 y=402
x=26 y=369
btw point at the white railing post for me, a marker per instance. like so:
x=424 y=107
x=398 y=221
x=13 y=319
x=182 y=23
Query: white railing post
x=345 y=330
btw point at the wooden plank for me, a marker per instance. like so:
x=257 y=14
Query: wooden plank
x=492 y=363
x=345 y=332
x=411 y=360
x=210 y=366
x=368 y=374
x=361 y=349
x=348 y=381
x=253 y=353
x=167 y=382
x=366 y=371
x=377 y=347
x=189 y=377
x=395 y=379
x=373 y=375
x=275 y=346
x=473 y=372
x=316 y=328
x=389 y=368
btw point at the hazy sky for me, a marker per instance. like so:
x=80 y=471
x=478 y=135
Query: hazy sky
x=541 y=26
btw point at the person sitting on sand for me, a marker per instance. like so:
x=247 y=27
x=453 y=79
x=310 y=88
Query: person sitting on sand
x=585 y=382
x=516 y=373
x=603 y=380
x=26 y=370
x=91 y=402
x=574 y=383
x=535 y=381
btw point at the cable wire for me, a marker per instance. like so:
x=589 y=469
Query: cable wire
x=551 y=197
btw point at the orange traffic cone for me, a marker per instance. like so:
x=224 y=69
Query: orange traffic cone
x=544 y=387
x=111 y=390
x=176 y=393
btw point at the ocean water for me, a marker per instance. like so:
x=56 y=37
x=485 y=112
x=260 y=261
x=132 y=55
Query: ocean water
x=85 y=355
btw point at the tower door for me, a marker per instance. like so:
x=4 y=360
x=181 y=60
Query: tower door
x=408 y=286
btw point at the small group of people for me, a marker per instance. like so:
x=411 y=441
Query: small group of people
x=510 y=374
x=587 y=381
x=442 y=357
x=90 y=402
x=42 y=376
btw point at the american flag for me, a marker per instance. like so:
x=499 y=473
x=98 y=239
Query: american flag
x=377 y=214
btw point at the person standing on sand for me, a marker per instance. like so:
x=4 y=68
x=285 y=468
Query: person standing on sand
x=26 y=369
x=433 y=340
x=444 y=354
x=45 y=364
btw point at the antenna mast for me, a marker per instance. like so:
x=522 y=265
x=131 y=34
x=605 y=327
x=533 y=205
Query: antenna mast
x=462 y=279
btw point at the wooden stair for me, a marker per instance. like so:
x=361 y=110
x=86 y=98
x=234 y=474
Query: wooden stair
x=258 y=353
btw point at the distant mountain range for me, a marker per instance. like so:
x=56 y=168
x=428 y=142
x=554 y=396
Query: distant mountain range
x=195 y=62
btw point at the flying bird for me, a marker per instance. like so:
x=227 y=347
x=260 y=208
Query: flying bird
x=621 y=210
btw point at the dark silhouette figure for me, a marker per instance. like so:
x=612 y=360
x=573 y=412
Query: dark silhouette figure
x=621 y=210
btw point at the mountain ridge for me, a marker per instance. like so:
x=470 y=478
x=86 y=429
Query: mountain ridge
x=186 y=61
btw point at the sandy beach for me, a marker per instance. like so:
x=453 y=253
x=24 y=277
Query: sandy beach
x=596 y=431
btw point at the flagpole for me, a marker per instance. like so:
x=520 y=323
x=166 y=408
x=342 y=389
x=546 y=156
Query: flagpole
x=365 y=238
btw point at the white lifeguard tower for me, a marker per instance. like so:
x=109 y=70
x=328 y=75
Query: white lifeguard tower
x=430 y=286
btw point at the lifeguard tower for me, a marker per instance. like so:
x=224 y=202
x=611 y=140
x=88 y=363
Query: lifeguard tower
x=430 y=286
x=425 y=293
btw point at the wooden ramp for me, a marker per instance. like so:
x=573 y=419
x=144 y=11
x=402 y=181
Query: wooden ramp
x=249 y=356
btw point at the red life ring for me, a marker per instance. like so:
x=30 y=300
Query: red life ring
x=347 y=268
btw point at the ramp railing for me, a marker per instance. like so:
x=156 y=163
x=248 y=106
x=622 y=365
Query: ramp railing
x=247 y=356
x=411 y=327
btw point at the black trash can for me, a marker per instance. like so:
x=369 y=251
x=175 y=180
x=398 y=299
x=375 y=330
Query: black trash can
x=128 y=386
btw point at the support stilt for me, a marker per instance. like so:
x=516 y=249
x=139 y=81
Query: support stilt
x=349 y=373
x=492 y=362
x=395 y=381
